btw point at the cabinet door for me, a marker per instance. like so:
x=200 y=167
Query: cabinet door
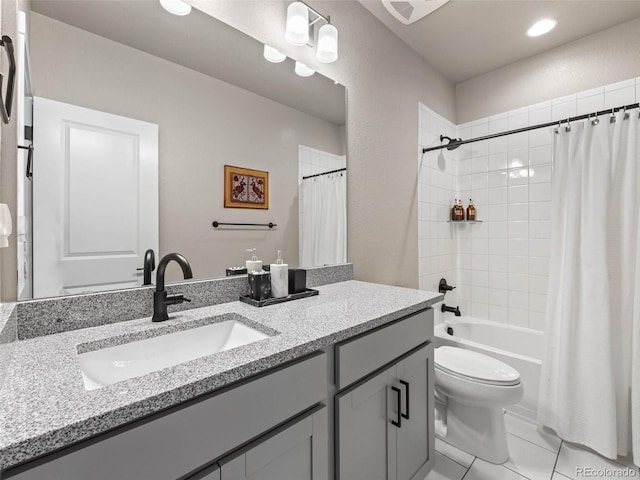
x=365 y=440
x=296 y=451
x=415 y=442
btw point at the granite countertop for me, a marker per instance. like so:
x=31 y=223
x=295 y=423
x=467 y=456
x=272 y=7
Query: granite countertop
x=44 y=405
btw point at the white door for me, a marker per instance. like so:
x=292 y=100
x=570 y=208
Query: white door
x=95 y=198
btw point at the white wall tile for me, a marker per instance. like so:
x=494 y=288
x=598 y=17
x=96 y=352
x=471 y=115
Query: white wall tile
x=497 y=195
x=538 y=265
x=518 y=212
x=540 y=155
x=540 y=211
x=498 y=161
x=497 y=179
x=540 y=192
x=518 y=194
x=499 y=297
x=619 y=97
x=499 y=263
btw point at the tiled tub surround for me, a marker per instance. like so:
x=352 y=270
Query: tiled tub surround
x=503 y=263
x=44 y=405
x=54 y=315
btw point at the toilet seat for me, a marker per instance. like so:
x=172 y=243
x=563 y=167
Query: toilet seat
x=475 y=367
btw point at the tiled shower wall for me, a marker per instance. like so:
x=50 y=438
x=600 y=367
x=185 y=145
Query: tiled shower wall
x=437 y=186
x=503 y=262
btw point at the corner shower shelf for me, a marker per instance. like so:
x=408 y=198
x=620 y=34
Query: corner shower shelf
x=464 y=221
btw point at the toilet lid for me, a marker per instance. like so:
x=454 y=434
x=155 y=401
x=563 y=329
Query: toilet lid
x=476 y=366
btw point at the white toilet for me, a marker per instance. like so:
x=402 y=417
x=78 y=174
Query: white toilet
x=471 y=390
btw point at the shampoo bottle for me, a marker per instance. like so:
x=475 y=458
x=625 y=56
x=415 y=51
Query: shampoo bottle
x=471 y=211
x=279 y=278
x=253 y=265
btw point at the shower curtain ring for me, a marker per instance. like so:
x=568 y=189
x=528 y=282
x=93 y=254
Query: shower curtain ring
x=557 y=129
x=595 y=120
x=612 y=119
x=568 y=127
x=626 y=114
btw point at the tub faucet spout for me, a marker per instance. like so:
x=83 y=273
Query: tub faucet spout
x=455 y=311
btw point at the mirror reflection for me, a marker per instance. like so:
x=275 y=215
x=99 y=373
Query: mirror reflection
x=136 y=112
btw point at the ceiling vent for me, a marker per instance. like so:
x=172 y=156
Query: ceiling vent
x=409 y=11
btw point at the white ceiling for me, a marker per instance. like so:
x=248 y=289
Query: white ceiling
x=467 y=38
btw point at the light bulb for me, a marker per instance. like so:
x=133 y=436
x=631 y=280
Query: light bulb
x=303 y=70
x=297 y=32
x=177 y=7
x=327 y=44
x=541 y=27
x=273 y=55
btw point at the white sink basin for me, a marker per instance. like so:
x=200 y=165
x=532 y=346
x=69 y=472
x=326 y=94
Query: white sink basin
x=115 y=364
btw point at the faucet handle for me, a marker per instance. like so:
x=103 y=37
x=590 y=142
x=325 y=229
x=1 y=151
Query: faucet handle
x=176 y=299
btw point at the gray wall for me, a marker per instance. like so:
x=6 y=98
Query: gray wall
x=385 y=80
x=606 y=57
x=203 y=124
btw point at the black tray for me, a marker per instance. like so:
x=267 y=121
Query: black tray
x=309 y=292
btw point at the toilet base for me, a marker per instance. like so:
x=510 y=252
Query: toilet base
x=479 y=431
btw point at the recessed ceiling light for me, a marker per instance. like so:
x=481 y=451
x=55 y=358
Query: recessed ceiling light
x=541 y=27
x=177 y=7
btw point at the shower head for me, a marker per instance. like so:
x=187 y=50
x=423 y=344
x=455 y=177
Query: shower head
x=453 y=142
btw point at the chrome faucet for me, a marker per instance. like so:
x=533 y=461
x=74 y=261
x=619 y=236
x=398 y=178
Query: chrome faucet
x=149 y=266
x=160 y=297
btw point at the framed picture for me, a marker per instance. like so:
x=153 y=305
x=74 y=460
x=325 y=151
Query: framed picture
x=245 y=188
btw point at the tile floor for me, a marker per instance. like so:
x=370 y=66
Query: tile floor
x=535 y=455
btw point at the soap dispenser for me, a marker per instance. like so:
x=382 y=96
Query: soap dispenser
x=279 y=278
x=253 y=265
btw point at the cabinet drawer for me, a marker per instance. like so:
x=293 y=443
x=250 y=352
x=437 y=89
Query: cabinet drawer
x=364 y=354
x=171 y=445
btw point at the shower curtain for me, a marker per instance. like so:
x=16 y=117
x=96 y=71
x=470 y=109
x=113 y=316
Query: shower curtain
x=324 y=222
x=590 y=383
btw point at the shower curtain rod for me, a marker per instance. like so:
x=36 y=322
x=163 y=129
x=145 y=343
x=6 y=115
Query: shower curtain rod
x=325 y=173
x=453 y=143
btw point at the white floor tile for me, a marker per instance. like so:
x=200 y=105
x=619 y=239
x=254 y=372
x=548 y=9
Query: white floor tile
x=528 y=430
x=446 y=469
x=481 y=470
x=529 y=460
x=572 y=458
x=559 y=476
x=454 y=453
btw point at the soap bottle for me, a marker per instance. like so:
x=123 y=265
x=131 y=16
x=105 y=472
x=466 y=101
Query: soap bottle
x=459 y=211
x=254 y=264
x=454 y=208
x=471 y=211
x=279 y=278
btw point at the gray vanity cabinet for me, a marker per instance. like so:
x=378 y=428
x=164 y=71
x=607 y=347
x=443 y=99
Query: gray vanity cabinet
x=384 y=406
x=365 y=437
x=384 y=431
x=416 y=434
x=296 y=451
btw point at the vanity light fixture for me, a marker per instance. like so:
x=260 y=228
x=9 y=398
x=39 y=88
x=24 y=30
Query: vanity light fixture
x=303 y=70
x=297 y=30
x=273 y=55
x=541 y=27
x=300 y=31
x=177 y=7
x=327 y=51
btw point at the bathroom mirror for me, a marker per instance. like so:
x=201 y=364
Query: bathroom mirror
x=135 y=114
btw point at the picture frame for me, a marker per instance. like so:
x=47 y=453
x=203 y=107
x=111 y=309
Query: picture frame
x=245 y=188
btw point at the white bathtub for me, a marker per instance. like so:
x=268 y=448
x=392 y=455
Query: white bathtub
x=516 y=346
